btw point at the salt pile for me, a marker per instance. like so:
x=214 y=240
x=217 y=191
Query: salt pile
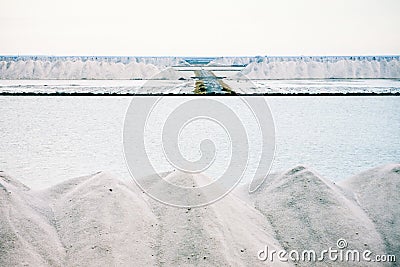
x=99 y=220
x=84 y=67
x=323 y=67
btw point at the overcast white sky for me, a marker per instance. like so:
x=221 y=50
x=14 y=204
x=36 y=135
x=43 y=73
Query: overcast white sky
x=200 y=28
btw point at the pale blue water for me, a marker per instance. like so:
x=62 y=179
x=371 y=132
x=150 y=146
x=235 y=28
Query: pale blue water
x=45 y=140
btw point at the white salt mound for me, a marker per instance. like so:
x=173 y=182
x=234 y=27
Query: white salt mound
x=37 y=67
x=309 y=212
x=231 y=61
x=66 y=69
x=102 y=222
x=377 y=191
x=27 y=235
x=98 y=220
x=226 y=233
x=282 y=68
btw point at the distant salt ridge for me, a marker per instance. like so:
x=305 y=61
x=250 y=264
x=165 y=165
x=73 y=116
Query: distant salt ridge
x=233 y=61
x=369 y=67
x=92 y=67
x=35 y=67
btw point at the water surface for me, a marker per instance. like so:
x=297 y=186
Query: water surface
x=45 y=140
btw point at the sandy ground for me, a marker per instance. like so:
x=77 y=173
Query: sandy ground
x=99 y=220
